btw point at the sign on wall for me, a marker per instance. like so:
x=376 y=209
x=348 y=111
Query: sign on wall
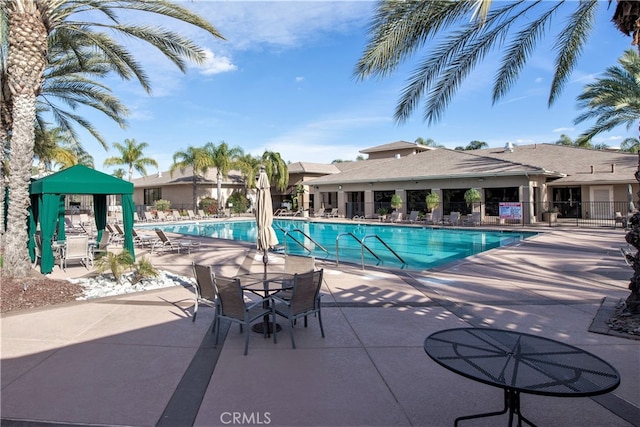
x=511 y=210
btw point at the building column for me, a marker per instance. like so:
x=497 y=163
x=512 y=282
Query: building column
x=368 y=204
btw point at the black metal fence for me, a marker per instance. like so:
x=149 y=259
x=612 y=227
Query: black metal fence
x=517 y=214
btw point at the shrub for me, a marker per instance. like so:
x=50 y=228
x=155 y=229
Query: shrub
x=209 y=205
x=239 y=201
x=162 y=205
x=396 y=202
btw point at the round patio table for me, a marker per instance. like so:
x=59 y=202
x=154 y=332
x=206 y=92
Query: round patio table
x=520 y=363
x=264 y=285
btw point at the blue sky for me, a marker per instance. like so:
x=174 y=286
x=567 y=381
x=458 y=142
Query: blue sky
x=283 y=81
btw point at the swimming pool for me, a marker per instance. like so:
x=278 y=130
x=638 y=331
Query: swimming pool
x=415 y=248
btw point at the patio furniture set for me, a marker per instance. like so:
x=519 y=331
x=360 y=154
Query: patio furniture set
x=290 y=294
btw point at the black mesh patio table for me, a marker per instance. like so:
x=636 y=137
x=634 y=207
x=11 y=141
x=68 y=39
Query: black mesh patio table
x=520 y=363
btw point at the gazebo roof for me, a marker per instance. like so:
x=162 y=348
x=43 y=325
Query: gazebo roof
x=80 y=179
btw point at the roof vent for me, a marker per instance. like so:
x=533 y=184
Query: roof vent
x=397 y=155
x=159 y=174
x=508 y=147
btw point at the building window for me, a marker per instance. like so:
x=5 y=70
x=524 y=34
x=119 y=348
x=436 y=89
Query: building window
x=493 y=197
x=151 y=195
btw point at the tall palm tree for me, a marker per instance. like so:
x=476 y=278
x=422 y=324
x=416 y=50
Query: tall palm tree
x=30 y=24
x=57 y=146
x=131 y=155
x=223 y=159
x=470 y=30
x=612 y=99
x=249 y=165
x=196 y=158
x=276 y=169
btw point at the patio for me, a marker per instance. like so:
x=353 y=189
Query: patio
x=140 y=360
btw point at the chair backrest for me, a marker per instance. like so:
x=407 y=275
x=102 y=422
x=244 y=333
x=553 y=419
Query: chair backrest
x=162 y=236
x=136 y=217
x=231 y=298
x=414 y=215
x=306 y=287
x=454 y=216
x=205 y=281
x=191 y=214
x=299 y=264
x=148 y=216
x=84 y=219
x=77 y=246
x=104 y=240
x=161 y=216
x=68 y=223
x=394 y=216
x=119 y=229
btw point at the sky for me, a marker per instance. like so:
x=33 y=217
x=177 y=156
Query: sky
x=284 y=81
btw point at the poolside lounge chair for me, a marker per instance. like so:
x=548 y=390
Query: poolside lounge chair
x=161 y=216
x=454 y=218
x=136 y=217
x=165 y=242
x=305 y=300
x=205 y=290
x=117 y=237
x=395 y=216
x=234 y=308
x=201 y=214
x=143 y=239
x=176 y=215
x=413 y=216
x=319 y=212
x=191 y=215
x=148 y=216
x=332 y=214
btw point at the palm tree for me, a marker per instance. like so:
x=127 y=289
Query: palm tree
x=471 y=29
x=199 y=160
x=613 y=99
x=630 y=145
x=249 y=165
x=132 y=155
x=57 y=146
x=428 y=142
x=276 y=169
x=223 y=159
x=30 y=24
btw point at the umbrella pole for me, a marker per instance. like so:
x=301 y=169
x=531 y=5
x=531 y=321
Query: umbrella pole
x=265 y=261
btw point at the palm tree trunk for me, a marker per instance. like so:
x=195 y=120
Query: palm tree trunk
x=16 y=255
x=26 y=61
x=195 y=192
x=219 y=185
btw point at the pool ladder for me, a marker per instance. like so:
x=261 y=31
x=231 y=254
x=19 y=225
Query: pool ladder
x=287 y=233
x=364 y=246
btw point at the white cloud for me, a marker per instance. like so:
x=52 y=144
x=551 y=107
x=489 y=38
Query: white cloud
x=216 y=64
x=299 y=79
x=558 y=130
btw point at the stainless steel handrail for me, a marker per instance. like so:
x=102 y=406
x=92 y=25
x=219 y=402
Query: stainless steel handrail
x=363 y=246
x=385 y=245
x=287 y=233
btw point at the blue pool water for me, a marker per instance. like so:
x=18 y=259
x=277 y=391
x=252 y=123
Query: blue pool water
x=419 y=247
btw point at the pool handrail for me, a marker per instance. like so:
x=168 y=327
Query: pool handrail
x=363 y=246
x=386 y=246
x=287 y=233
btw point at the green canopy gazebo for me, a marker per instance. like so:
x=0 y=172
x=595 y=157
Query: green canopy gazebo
x=47 y=206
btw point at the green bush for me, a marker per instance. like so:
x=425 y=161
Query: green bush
x=209 y=205
x=239 y=201
x=162 y=205
x=396 y=202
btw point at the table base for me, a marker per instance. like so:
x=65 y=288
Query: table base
x=259 y=328
x=511 y=405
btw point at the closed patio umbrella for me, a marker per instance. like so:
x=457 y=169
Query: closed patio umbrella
x=264 y=217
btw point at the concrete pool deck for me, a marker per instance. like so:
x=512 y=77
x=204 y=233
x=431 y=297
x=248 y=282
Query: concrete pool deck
x=139 y=360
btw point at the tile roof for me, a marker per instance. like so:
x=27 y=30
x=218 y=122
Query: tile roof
x=312 y=168
x=398 y=145
x=432 y=164
x=567 y=164
x=178 y=177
